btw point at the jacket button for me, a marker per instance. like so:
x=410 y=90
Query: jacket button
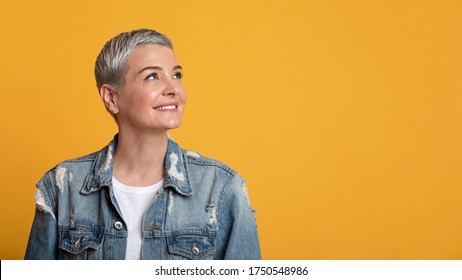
x=195 y=250
x=118 y=225
x=161 y=195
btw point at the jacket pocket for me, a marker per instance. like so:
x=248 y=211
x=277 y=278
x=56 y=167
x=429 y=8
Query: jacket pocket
x=192 y=244
x=79 y=244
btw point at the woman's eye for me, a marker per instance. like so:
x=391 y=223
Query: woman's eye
x=178 y=75
x=152 y=76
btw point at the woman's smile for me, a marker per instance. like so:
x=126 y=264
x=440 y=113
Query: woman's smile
x=166 y=107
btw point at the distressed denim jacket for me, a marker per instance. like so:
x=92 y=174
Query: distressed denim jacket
x=202 y=212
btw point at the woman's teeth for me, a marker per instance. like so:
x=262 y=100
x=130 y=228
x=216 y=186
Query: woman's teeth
x=168 y=107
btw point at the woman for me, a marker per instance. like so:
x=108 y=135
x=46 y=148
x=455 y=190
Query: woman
x=142 y=196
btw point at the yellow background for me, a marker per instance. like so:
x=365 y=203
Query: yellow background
x=343 y=116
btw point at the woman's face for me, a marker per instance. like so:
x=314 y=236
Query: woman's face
x=152 y=97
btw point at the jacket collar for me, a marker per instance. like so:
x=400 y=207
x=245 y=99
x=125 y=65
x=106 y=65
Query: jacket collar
x=176 y=173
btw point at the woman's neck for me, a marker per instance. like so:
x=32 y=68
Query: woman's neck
x=139 y=158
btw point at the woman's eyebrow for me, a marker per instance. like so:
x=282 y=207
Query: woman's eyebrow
x=150 y=68
x=158 y=68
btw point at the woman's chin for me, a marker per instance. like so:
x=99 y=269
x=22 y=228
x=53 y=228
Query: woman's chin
x=171 y=125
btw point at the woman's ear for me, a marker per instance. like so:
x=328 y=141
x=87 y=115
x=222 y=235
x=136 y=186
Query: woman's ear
x=108 y=95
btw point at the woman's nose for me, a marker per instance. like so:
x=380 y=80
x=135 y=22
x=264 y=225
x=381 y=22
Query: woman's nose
x=170 y=89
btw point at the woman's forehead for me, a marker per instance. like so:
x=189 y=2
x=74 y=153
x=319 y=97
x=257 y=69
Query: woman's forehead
x=152 y=53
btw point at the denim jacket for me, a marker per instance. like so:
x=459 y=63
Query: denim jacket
x=201 y=212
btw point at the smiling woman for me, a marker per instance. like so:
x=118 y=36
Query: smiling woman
x=142 y=196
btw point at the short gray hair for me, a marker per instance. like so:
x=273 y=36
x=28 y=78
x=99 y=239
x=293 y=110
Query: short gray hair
x=110 y=66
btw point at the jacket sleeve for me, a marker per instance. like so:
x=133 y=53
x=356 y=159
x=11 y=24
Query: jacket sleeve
x=42 y=244
x=237 y=232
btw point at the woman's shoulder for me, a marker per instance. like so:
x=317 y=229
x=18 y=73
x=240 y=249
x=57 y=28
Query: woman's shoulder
x=196 y=160
x=199 y=160
x=90 y=161
x=72 y=168
x=77 y=162
x=223 y=180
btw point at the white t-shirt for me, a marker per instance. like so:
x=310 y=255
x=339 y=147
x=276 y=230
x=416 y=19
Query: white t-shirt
x=134 y=202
